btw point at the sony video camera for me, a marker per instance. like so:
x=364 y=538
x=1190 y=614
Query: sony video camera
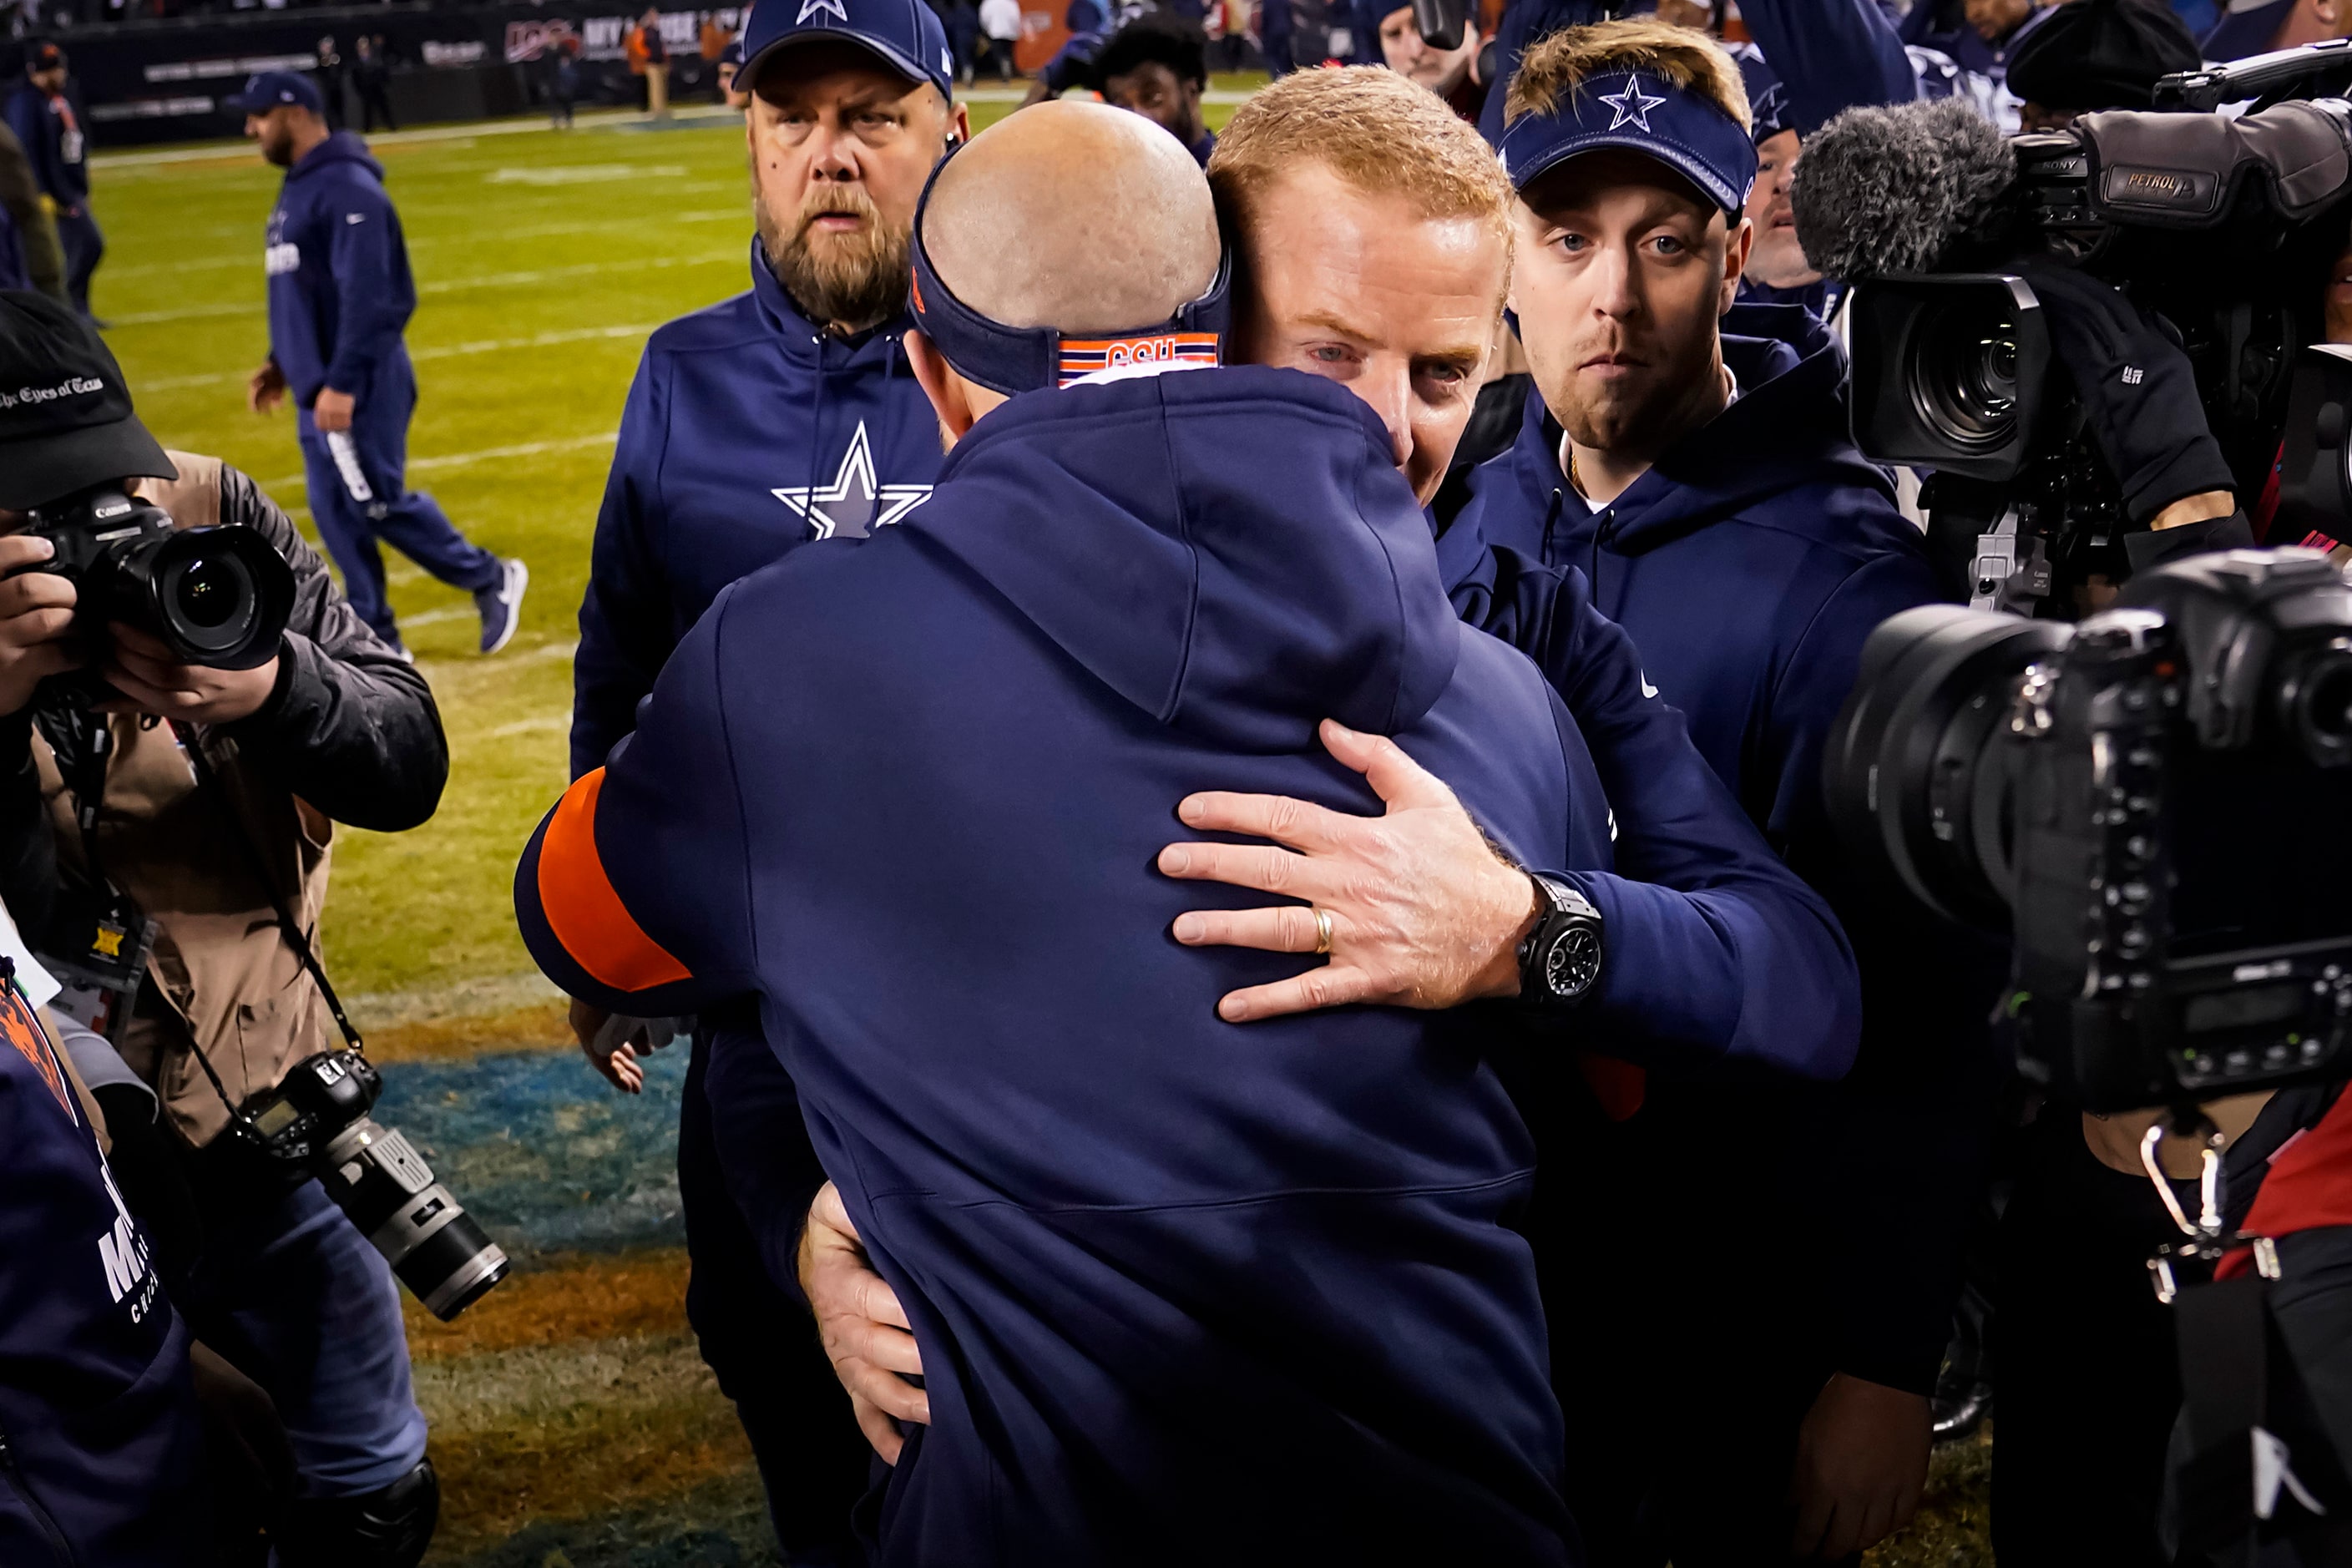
x=316 y=1123
x=218 y=596
x=2224 y=229
x=2151 y=801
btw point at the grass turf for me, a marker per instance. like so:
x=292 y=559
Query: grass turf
x=574 y=1426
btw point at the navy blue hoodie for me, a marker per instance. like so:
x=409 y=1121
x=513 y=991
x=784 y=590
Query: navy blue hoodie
x=1749 y=566
x=1185 y=1290
x=101 y=1445
x=55 y=140
x=749 y=430
x=339 y=289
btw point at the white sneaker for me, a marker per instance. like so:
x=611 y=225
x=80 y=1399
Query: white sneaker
x=500 y=606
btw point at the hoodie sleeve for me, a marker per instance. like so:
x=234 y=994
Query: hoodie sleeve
x=1833 y=55
x=624 y=617
x=373 y=296
x=635 y=893
x=1715 y=949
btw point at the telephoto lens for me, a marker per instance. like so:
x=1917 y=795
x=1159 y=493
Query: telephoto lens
x=317 y=1122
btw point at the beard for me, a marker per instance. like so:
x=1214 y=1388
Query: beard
x=856 y=279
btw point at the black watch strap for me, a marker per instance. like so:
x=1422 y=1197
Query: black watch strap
x=1560 y=961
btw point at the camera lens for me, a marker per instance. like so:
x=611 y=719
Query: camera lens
x=1915 y=775
x=2317 y=700
x=220 y=597
x=209 y=592
x=1963 y=374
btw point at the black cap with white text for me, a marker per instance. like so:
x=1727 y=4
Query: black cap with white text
x=65 y=422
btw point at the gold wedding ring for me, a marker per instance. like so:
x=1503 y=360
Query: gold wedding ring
x=1322 y=930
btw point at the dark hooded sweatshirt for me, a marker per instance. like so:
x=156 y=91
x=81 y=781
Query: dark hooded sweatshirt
x=340 y=289
x=1183 y=1290
x=101 y=1456
x=1749 y=566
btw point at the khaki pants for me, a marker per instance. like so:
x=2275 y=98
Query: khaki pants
x=658 y=90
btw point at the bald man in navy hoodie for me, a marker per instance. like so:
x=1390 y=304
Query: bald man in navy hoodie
x=1182 y=1288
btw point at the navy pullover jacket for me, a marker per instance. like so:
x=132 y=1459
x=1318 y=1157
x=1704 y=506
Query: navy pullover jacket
x=749 y=431
x=1749 y=566
x=55 y=140
x=1183 y=1290
x=339 y=289
x=100 y=1443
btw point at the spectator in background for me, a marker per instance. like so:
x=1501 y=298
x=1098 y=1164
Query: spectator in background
x=1158 y=66
x=712 y=44
x=25 y=216
x=1085 y=17
x=962 y=21
x=46 y=120
x=1072 y=66
x=1001 y=21
x=730 y=65
x=2097 y=54
x=371 y=78
x=563 y=80
x=330 y=73
x=1232 y=33
x=1978 y=37
x=649 y=57
x=1451 y=74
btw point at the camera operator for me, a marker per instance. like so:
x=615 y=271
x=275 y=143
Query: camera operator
x=2097 y=54
x=106 y=827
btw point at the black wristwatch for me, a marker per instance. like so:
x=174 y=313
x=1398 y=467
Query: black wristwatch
x=1560 y=961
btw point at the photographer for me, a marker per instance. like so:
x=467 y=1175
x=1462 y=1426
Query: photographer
x=106 y=825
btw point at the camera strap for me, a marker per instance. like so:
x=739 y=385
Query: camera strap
x=296 y=937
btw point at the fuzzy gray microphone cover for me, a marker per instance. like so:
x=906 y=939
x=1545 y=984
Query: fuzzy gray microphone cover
x=1889 y=189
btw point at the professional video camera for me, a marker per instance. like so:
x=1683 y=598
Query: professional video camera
x=2217 y=225
x=316 y=1123
x=2149 y=800
x=217 y=596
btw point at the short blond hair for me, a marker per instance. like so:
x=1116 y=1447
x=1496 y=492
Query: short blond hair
x=1561 y=63
x=1374 y=128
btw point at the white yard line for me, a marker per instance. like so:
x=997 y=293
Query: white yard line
x=430 y=352
x=486 y=455
x=729 y=257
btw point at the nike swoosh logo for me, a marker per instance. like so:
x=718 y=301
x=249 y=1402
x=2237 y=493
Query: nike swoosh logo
x=1647 y=689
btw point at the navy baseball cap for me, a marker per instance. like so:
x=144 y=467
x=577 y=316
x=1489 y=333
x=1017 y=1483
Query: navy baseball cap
x=1646 y=112
x=270 y=90
x=907 y=35
x=1767 y=95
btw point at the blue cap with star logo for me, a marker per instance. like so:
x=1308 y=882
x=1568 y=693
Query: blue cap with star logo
x=907 y=34
x=1645 y=113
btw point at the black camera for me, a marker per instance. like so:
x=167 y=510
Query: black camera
x=2215 y=227
x=218 y=596
x=2151 y=801
x=316 y=1122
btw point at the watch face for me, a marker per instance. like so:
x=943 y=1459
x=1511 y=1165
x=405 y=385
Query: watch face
x=1573 y=962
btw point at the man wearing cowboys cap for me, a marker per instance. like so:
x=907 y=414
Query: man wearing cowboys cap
x=783 y=415
x=1692 y=457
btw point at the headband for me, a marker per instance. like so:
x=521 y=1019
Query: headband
x=1647 y=113
x=1015 y=360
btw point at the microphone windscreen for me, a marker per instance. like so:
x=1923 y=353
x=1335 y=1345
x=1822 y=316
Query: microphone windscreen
x=1888 y=189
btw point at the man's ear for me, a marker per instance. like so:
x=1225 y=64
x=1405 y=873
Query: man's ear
x=959 y=126
x=942 y=386
x=1737 y=245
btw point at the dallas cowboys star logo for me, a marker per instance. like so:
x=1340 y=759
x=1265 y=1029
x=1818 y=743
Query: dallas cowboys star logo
x=853 y=505
x=1632 y=106
x=822 y=8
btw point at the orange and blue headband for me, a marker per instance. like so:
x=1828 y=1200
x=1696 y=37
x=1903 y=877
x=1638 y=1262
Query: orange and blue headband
x=1015 y=360
x=1646 y=113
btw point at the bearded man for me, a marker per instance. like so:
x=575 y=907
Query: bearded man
x=784 y=415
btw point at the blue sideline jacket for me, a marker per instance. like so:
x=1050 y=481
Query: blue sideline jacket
x=339 y=289
x=54 y=141
x=101 y=1445
x=1749 y=566
x=1185 y=1290
x=748 y=432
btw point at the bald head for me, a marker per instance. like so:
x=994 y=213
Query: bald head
x=1075 y=216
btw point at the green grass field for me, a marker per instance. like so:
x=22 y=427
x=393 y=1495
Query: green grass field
x=572 y=1422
